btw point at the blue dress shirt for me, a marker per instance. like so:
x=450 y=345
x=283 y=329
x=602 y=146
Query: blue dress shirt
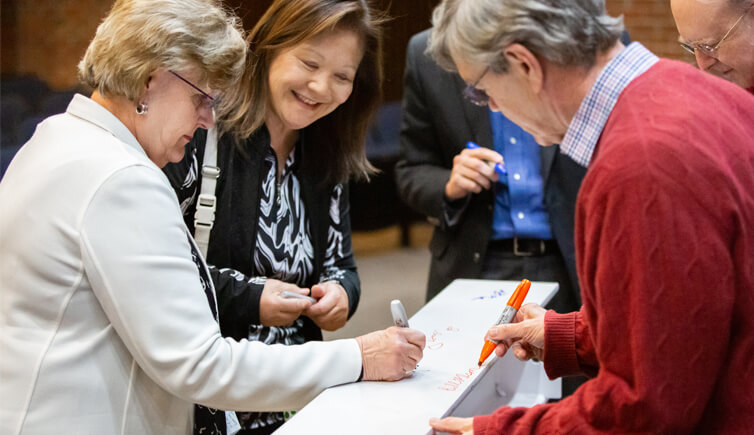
x=519 y=198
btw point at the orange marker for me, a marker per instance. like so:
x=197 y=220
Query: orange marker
x=511 y=308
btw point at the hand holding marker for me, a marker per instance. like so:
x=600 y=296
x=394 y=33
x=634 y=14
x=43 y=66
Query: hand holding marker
x=498 y=167
x=400 y=319
x=511 y=308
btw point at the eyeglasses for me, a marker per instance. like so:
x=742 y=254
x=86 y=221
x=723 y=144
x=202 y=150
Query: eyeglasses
x=711 y=50
x=208 y=99
x=477 y=96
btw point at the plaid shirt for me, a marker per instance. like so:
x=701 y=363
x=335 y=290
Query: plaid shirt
x=587 y=125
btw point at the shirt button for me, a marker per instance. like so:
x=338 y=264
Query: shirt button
x=513 y=140
x=520 y=215
x=477 y=257
x=516 y=176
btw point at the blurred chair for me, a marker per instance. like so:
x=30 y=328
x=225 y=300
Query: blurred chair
x=376 y=204
x=56 y=102
x=30 y=88
x=7 y=151
x=27 y=128
x=13 y=109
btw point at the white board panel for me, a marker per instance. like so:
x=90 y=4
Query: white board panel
x=447 y=380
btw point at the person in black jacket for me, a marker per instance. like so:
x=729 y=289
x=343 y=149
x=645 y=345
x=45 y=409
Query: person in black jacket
x=483 y=224
x=486 y=225
x=312 y=83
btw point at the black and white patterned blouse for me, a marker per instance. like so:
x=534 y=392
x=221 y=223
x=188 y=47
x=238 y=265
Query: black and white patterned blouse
x=283 y=250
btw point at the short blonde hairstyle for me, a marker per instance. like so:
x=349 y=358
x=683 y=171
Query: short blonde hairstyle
x=139 y=36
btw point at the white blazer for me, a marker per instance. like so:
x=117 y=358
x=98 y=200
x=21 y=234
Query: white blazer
x=104 y=325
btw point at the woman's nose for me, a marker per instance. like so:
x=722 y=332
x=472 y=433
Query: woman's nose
x=320 y=85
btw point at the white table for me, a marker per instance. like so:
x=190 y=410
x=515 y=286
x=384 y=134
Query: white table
x=448 y=381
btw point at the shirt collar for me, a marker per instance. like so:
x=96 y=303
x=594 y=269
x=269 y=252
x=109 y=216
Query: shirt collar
x=589 y=121
x=91 y=111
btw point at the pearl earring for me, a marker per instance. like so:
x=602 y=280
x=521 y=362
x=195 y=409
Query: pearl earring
x=141 y=108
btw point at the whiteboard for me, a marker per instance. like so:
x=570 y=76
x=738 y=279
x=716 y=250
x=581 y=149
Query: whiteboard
x=447 y=380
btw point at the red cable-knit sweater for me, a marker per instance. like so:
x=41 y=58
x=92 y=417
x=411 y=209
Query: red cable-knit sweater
x=665 y=256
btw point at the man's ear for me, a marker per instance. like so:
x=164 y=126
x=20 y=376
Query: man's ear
x=524 y=63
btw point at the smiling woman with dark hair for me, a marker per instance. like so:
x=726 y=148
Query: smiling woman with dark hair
x=312 y=83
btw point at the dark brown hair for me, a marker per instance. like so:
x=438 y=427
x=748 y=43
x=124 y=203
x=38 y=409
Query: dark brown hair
x=340 y=136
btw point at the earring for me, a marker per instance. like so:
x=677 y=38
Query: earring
x=141 y=108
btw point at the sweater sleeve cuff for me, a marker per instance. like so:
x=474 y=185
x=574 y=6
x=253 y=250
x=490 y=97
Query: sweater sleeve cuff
x=560 y=357
x=482 y=423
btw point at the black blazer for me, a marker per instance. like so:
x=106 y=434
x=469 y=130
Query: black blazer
x=437 y=123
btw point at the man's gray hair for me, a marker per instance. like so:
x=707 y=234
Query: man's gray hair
x=566 y=32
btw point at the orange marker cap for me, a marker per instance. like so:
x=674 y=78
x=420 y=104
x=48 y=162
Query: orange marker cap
x=514 y=296
x=521 y=291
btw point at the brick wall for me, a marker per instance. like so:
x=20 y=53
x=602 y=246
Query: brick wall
x=48 y=37
x=651 y=23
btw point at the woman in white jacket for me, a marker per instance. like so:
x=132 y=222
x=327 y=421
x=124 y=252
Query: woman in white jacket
x=108 y=319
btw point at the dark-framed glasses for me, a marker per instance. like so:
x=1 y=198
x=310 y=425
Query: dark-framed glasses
x=208 y=99
x=475 y=95
x=709 y=49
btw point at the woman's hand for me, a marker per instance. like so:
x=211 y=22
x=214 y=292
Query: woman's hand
x=389 y=354
x=331 y=310
x=274 y=310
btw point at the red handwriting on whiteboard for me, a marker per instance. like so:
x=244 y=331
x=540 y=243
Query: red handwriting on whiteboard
x=458 y=379
x=435 y=338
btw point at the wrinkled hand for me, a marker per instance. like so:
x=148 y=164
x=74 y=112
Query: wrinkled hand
x=472 y=172
x=388 y=354
x=331 y=310
x=274 y=310
x=526 y=335
x=453 y=425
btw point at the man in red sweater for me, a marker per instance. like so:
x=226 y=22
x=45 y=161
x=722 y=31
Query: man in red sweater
x=664 y=219
x=720 y=34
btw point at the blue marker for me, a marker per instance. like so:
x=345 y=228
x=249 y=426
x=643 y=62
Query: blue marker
x=498 y=167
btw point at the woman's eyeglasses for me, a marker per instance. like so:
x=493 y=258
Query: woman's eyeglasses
x=208 y=99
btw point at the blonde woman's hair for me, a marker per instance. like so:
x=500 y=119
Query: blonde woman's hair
x=139 y=36
x=338 y=139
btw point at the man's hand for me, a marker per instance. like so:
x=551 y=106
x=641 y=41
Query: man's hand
x=274 y=310
x=472 y=172
x=526 y=336
x=453 y=425
x=388 y=354
x=331 y=310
